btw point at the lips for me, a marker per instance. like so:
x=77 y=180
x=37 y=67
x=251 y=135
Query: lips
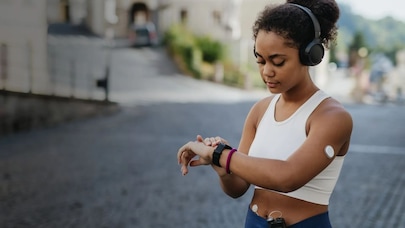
x=271 y=84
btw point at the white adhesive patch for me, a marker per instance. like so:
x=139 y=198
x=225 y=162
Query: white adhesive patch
x=329 y=151
x=254 y=208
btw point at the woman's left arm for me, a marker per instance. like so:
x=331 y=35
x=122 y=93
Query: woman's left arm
x=329 y=126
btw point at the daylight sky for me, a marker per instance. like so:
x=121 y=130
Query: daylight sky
x=376 y=9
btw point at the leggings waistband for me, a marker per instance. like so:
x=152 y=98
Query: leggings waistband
x=317 y=221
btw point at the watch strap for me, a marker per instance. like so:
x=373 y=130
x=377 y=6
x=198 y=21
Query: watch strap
x=216 y=155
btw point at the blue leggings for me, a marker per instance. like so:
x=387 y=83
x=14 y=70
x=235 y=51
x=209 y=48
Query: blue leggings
x=317 y=221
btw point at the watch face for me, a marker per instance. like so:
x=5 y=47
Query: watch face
x=217 y=154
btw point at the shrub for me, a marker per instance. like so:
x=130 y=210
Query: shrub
x=176 y=38
x=192 y=58
x=194 y=53
x=232 y=75
x=212 y=50
x=181 y=45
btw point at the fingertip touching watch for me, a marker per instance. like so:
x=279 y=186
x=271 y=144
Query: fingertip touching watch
x=217 y=153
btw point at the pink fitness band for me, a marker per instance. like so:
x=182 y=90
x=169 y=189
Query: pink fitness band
x=228 y=161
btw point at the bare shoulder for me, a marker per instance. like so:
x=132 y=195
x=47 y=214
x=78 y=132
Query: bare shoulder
x=259 y=108
x=333 y=115
x=331 y=123
x=256 y=113
x=332 y=109
x=263 y=103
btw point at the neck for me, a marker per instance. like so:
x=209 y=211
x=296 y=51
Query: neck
x=300 y=93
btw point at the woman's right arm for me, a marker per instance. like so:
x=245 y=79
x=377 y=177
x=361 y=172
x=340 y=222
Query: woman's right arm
x=233 y=185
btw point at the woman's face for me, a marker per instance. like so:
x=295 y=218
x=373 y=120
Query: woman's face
x=279 y=63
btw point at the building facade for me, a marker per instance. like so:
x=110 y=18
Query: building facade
x=24 y=40
x=23 y=31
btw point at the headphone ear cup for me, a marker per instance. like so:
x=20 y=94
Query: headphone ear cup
x=312 y=54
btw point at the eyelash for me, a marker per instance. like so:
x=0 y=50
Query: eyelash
x=277 y=65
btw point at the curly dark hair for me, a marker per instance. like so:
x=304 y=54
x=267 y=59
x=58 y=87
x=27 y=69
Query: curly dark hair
x=294 y=24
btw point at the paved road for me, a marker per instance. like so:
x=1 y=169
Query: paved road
x=121 y=170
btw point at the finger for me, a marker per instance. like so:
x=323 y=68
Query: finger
x=195 y=163
x=184 y=164
x=184 y=170
x=200 y=138
x=215 y=141
x=180 y=152
x=185 y=148
x=219 y=139
x=186 y=157
x=199 y=162
x=207 y=141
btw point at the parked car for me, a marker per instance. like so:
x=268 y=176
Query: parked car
x=143 y=35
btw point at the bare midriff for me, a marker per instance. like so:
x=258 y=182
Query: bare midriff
x=293 y=210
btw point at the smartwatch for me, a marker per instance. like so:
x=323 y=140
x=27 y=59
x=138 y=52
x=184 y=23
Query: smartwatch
x=217 y=153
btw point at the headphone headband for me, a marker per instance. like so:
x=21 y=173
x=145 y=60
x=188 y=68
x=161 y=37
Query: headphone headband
x=315 y=22
x=312 y=53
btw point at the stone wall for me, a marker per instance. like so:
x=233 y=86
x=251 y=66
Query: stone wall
x=23 y=111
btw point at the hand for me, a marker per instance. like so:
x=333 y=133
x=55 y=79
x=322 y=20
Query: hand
x=192 y=149
x=211 y=141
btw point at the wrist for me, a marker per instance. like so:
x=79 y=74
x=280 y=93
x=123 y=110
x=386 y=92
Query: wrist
x=216 y=155
x=228 y=161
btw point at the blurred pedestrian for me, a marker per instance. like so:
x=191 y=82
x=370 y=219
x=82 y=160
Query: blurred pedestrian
x=380 y=68
x=357 y=71
x=293 y=142
x=397 y=78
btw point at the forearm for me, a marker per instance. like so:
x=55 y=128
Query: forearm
x=233 y=185
x=242 y=167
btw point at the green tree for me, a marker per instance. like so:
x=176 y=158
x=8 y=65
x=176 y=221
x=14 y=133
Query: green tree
x=354 y=47
x=333 y=57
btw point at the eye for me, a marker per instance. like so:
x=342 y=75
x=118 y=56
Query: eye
x=260 y=61
x=278 y=63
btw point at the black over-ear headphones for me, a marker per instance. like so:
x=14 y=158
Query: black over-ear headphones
x=312 y=53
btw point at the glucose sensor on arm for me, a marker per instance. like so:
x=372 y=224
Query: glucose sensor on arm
x=329 y=151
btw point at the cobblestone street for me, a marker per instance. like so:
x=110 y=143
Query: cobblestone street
x=121 y=171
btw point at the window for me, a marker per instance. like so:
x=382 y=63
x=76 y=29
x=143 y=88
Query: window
x=217 y=16
x=183 y=16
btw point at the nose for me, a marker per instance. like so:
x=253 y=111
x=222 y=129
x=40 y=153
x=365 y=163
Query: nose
x=268 y=70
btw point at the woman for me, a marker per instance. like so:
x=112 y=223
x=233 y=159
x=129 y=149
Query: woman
x=293 y=142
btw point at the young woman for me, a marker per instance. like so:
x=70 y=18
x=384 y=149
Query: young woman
x=294 y=142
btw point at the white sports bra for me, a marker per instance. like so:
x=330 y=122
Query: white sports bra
x=280 y=139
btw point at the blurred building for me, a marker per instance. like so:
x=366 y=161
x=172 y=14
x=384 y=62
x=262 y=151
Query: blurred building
x=223 y=19
x=25 y=28
x=23 y=31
